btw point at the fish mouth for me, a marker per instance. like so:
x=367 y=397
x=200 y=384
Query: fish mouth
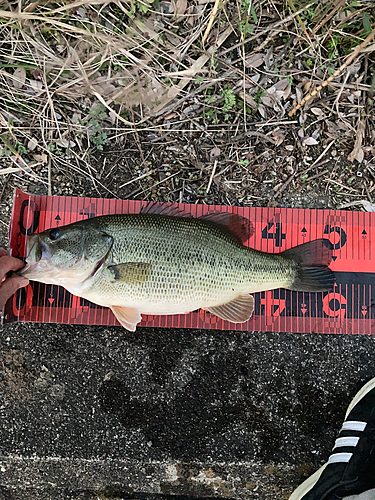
x=37 y=258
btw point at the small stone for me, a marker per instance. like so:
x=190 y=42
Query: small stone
x=251 y=485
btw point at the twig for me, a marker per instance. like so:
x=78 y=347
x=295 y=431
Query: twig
x=211 y=177
x=336 y=73
x=137 y=178
x=318 y=175
x=349 y=204
x=327 y=148
x=211 y=20
x=329 y=16
x=285 y=185
x=49 y=176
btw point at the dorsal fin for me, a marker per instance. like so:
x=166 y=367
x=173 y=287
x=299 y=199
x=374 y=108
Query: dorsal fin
x=156 y=208
x=238 y=227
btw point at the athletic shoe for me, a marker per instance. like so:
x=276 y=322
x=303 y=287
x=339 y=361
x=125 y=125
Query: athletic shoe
x=350 y=470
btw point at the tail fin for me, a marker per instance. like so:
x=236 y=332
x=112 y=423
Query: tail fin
x=313 y=274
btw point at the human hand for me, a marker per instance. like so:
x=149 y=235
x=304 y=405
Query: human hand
x=10 y=285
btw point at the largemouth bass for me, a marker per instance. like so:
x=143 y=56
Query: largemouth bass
x=161 y=261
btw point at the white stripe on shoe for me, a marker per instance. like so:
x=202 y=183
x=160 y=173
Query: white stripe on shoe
x=340 y=458
x=353 y=425
x=346 y=441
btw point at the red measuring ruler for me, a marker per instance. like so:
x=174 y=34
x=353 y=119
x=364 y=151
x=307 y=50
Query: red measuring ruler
x=349 y=308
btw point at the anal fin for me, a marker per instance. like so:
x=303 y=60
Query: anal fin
x=238 y=310
x=127 y=316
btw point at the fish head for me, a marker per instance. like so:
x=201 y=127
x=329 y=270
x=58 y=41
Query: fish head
x=66 y=255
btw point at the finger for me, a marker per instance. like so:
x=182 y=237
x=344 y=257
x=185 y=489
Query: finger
x=3 y=252
x=8 y=263
x=9 y=287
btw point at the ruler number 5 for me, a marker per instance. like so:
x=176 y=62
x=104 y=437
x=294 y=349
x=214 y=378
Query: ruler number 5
x=331 y=230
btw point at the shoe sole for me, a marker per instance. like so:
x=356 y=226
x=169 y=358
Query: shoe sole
x=310 y=482
x=307 y=485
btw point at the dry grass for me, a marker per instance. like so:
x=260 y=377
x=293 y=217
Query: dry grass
x=188 y=100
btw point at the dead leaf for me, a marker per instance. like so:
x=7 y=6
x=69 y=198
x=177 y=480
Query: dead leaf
x=82 y=11
x=36 y=73
x=254 y=61
x=190 y=109
x=299 y=94
x=112 y=117
x=36 y=85
x=310 y=141
x=215 y=152
x=281 y=85
x=369 y=207
x=316 y=111
x=19 y=78
x=262 y=111
x=268 y=101
x=32 y=144
x=65 y=143
x=249 y=100
x=105 y=89
x=306 y=87
x=169 y=116
x=173 y=92
x=269 y=58
x=43 y=158
x=357 y=153
x=192 y=15
x=316 y=133
x=76 y=118
x=333 y=130
x=279 y=137
x=287 y=92
x=179 y=7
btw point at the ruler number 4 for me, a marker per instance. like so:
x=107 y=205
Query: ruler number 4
x=274 y=231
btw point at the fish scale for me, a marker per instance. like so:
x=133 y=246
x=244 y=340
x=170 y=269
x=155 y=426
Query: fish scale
x=193 y=263
x=155 y=263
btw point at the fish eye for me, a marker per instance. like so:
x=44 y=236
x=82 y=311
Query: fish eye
x=54 y=234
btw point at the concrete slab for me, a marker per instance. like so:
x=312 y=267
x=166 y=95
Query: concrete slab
x=90 y=412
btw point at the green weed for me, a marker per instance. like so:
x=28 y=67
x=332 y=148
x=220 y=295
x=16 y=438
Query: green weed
x=243 y=162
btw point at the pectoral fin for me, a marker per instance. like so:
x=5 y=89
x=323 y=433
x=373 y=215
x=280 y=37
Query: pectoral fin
x=130 y=272
x=238 y=310
x=128 y=317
